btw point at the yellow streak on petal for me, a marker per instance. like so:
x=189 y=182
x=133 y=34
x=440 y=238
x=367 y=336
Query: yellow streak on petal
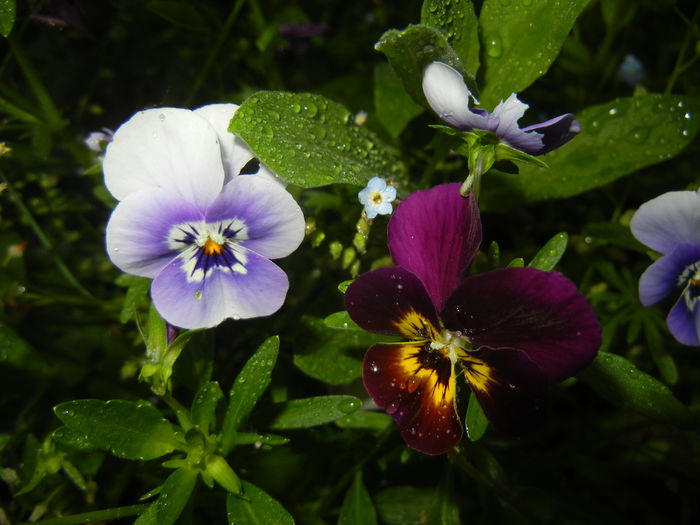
x=421 y=367
x=414 y=325
x=480 y=375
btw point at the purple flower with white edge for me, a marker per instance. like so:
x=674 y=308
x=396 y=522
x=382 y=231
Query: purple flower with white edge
x=670 y=224
x=187 y=219
x=377 y=197
x=448 y=95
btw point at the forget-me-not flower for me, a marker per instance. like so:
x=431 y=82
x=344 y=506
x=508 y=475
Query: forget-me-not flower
x=377 y=197
x=187 y=219
x=449 y=96
x=670 y=224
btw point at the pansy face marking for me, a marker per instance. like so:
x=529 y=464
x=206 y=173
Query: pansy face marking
x=511 y=332
x=670 y=225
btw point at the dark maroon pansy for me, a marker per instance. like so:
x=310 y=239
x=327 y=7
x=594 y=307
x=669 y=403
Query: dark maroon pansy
x=512 y=332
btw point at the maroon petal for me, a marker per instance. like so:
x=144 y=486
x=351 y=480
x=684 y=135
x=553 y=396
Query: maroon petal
x=435 y=234
x=392 y=301
x=509 y=386
x=416 y=386
x=540 y=313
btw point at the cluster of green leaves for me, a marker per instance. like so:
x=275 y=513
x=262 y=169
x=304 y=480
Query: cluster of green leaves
x=331 y=96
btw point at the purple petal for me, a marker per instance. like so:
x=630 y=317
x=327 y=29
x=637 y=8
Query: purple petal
x=508 y=113
x=416 y=386
x=684 y=323
x=446 y=92
x=553 y=133
x=435 y=234
x=392 y=301
x=222 y=294
x=509 y=386
x=137 y=231
x=540 y=313
x=273 y=220
x=172 y=148
x=663 y=275
x=668 y=220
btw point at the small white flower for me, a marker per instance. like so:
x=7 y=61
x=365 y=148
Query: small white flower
x=377 y=197
x=97 y=140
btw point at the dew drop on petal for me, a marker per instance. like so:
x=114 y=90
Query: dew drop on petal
x=161 y=117
x=198 y=295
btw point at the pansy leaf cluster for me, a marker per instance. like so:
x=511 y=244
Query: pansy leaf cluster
x=511 y=332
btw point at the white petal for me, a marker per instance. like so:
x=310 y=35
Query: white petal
x=235 y=152
x=509 y=113
x=668 y=220
x=448 y=95
x=167 y=147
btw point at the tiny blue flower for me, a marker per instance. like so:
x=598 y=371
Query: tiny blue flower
x=377 y=197
x=670 y=224
x=631 y=71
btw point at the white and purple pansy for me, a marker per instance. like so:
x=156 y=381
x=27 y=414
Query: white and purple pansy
x=448 y=95
x=670 y=224
x=187 y=219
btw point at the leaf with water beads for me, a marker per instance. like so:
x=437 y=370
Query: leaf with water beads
x=311 y=141
x=522 y=38
x=313 y=411
x=457 y=20
x=617 y=138
x=128 y=430
x=172 y=498
x=549 y=255
x=255 y=507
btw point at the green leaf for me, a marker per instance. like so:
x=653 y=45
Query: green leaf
x=518 y=262
x=411 y=50
x=357 y=508
x=601 y=233
x=626 y=135
x=172 y=498
x=622 y=383
x=8 y=12
x=458 y=21
x=249 y=385
x=443 y=510
x=256 y=507
x=505 y=152
x=549 y=255
x=326 y=352
x=128 y=430
x=475 y=421
x=16 y=352
x=247 y=438
x=69 y=438
x=203 y=409
x=365 y=420
x=402 y=505
x=136 y=297
x=393 y=106
x=313 y=411
x=521 y=41
x=310 y=141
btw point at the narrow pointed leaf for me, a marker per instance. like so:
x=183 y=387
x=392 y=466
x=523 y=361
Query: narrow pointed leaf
x=626 y=134
x=204 y=405
x=551 y=253
x=313 y=411
x=311 y=141
x=248 y=387
x=126 y=429
x=521 y=42
x=357 y=508
x=475 y=422
x=622 y=383
x=256 y=507
x=8 y=13
x=172 y=498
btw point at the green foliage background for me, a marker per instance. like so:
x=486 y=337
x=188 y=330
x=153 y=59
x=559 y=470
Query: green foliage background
x=621 y=445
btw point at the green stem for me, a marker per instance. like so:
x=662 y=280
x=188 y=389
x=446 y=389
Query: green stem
x=182 y=414
x=51 y=113
x=679 y=67
x=214 y=52
x=94 y=516
x=43 y=239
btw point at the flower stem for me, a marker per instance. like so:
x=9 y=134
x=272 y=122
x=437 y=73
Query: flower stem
x=181 y=413
x=679 y=67
x=43 y=239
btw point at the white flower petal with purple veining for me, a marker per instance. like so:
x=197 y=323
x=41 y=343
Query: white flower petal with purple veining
x=223 y=293
x=137 y=231
x=166 y=147
x=668 y=220
x=274 y=221
x=509 y=112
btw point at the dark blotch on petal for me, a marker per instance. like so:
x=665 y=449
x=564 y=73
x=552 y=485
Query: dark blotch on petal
x=510 y=388
x=416 y=386
x=391 y=301
x=541 y=313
